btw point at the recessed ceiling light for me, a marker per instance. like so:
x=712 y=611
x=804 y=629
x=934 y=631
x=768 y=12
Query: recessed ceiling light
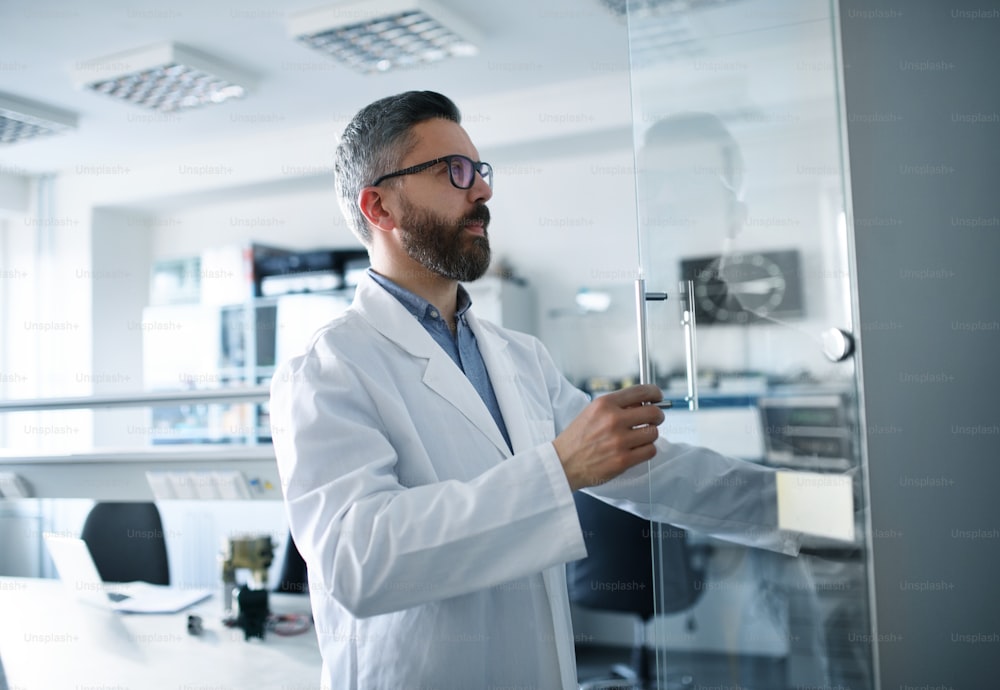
x=22 y=119
x=385 y=34
x=165 y=77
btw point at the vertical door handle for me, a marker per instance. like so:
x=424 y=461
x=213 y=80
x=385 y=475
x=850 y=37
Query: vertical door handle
x=641 y=297
x=690 y=324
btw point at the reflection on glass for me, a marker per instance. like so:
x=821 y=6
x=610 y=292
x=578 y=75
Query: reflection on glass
x=740 y=191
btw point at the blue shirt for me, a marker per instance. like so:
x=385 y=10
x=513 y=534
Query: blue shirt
x=461 y=347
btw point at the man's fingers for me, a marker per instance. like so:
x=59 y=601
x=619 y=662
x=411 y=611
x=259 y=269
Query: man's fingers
x=643 y=415
x=615 y=432
x=641 y=453
x=643 y=435
x=636 y=395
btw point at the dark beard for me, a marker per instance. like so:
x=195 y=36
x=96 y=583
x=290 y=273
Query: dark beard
x=438 y=244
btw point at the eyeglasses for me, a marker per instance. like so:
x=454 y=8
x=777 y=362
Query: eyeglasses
x=461 y=171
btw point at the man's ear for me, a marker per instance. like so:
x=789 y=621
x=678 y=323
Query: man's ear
x=370 y=201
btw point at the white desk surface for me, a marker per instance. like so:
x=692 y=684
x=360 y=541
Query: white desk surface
x=49 y=641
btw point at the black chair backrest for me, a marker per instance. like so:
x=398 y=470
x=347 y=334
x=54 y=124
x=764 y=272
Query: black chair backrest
x=679 y=581
x=127 y=542
x=617 y=574
x=294 y=577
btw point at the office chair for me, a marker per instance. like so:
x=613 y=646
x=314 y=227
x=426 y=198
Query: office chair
x=127 y=542
x=294 y=577
x=617 y=575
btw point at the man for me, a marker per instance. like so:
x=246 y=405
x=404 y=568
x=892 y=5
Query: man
x=428 y=459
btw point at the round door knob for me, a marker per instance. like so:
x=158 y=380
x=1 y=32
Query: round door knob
x=838 y=344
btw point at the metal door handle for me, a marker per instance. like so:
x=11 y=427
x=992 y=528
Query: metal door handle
x=690 y=324
x=641 y=297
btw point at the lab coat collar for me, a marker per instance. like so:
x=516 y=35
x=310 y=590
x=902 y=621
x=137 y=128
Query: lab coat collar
x=503 y=376
x=390 y=318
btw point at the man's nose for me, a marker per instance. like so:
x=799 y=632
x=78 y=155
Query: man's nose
x=480 y=189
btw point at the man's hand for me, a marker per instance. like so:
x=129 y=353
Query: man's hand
x=613 y=433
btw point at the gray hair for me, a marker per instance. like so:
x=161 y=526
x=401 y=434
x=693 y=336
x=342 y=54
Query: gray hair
x=375 y=141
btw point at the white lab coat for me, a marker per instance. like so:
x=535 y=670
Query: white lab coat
x=435 y=556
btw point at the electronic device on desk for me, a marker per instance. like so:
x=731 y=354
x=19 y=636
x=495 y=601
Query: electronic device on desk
x=813 y=432
x=76 y=568
x=254 y=554
x=252 y=611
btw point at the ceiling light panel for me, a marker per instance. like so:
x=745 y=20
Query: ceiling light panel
x=166 y=78
x=385 y=34
x=21 y=120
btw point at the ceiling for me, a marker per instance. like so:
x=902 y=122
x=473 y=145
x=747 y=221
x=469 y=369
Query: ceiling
x=547 y=73
x=525 y=46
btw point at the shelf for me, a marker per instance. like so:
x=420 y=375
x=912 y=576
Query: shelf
x=157 y=454
x=125 y=474
x=143 y=399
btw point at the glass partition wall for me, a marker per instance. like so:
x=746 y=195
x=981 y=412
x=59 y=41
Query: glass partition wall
x=742 y=224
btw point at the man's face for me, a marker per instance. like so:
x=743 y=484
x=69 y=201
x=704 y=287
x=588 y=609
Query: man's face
x=442 y=227
x=445 y=245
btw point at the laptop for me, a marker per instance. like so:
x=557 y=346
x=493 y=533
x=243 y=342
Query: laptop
x=80 y=576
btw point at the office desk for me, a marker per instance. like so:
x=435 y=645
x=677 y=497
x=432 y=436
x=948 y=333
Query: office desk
x=49 y=641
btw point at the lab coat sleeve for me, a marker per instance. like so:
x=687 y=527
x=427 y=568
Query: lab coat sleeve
x=378 y=546
x=688 y=486
x=698 y=489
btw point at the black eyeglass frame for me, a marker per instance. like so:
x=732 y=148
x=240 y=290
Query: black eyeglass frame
x=477 y=167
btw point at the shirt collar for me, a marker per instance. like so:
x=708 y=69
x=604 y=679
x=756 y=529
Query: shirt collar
x=417 y=305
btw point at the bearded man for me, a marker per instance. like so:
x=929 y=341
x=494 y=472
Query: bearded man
x=428 y=458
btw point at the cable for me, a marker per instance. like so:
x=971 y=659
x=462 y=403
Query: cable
x=288 y=624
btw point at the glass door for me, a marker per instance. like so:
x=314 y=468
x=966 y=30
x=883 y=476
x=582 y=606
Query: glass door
x=741 y=198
